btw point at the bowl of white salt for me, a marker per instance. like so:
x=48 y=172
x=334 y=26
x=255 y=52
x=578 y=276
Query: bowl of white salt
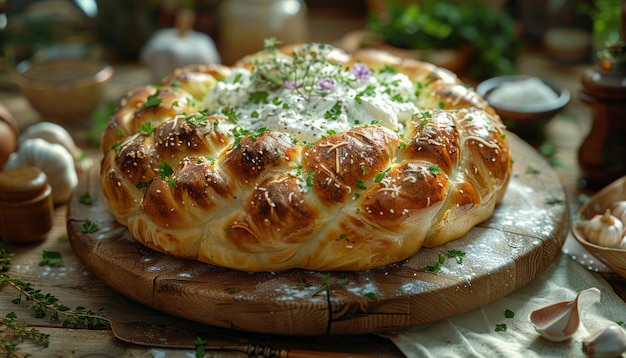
x=525 y=103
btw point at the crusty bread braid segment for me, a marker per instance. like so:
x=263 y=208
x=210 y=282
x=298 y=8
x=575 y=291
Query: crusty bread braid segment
x=356 y=200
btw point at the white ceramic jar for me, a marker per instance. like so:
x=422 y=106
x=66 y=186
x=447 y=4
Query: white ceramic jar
x=245 y=24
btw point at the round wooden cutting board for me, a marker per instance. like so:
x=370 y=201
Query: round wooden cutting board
x=502 y=254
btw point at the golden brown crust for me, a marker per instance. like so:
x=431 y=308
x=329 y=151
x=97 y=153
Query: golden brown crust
x=262 y=202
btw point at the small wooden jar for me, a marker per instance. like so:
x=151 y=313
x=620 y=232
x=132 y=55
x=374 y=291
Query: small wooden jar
x=26 y=207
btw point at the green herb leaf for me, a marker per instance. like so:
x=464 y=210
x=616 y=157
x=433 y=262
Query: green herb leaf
x=343 y=280
x=434 y=169
x=89 y=227
x=259 y=97
x=379 y=177
x=509 y=314
x=165 y=170
x=153 y=101
x=553 y=200
x=85 y=199
x=197 y=118
x=200 y=345
x=52 y=258
x=371 y=295
x=334 y=112
x=237 y=78
x=532 y=170
x=457 y=254
x=146 y=128
x=435 y=266
x=500 y=327
x=230 y=113
x=324 y=285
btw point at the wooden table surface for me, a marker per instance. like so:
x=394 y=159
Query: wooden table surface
x=75 y=286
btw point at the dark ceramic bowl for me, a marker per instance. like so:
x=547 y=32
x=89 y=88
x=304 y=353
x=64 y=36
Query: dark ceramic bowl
x=523 y=109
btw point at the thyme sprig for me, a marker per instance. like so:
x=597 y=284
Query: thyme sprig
x=307 y=71
x=44 y=304
x=21 y=332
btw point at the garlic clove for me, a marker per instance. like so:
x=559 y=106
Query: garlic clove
x=559 y=321
x=608 y=342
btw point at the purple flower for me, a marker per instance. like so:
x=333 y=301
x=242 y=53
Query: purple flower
x=327 y=84
x=292 y=84
x=361 y=71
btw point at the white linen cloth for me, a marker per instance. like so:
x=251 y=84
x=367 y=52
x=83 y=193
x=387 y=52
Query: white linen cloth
x=473 y=334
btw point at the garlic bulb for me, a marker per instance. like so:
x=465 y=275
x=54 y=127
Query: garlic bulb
x=55 y=133
x=608 y=342
x=618 y=209
x=604 y=230
x=54 y=160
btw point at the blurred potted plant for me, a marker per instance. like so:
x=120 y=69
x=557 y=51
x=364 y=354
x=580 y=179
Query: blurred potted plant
x=470 y=37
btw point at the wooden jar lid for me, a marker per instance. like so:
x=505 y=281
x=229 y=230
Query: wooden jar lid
x=22 y=184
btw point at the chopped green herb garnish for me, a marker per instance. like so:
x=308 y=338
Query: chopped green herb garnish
x=435 y=266
x=259 y=97
x=434 y=169
x=142 y=184
x=532 y=170
x=51 y=258
x=343 y=280
x=309 y=179
x=165 y=170
x=85 y=199
x=230 y=113
x=457 y=254
x=153 y=101
x=200 y=345
x=379 y=177
x=324 y=285
x=197 y=119
x=237 y=78
x=89 y=227
x=146 y=128
x=368 y=91
x=334 y=112
x=553 y=200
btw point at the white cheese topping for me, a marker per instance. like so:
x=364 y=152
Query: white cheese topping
x=309 y=97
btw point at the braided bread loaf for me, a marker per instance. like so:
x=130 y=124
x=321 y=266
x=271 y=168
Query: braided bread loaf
x=304 y=157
